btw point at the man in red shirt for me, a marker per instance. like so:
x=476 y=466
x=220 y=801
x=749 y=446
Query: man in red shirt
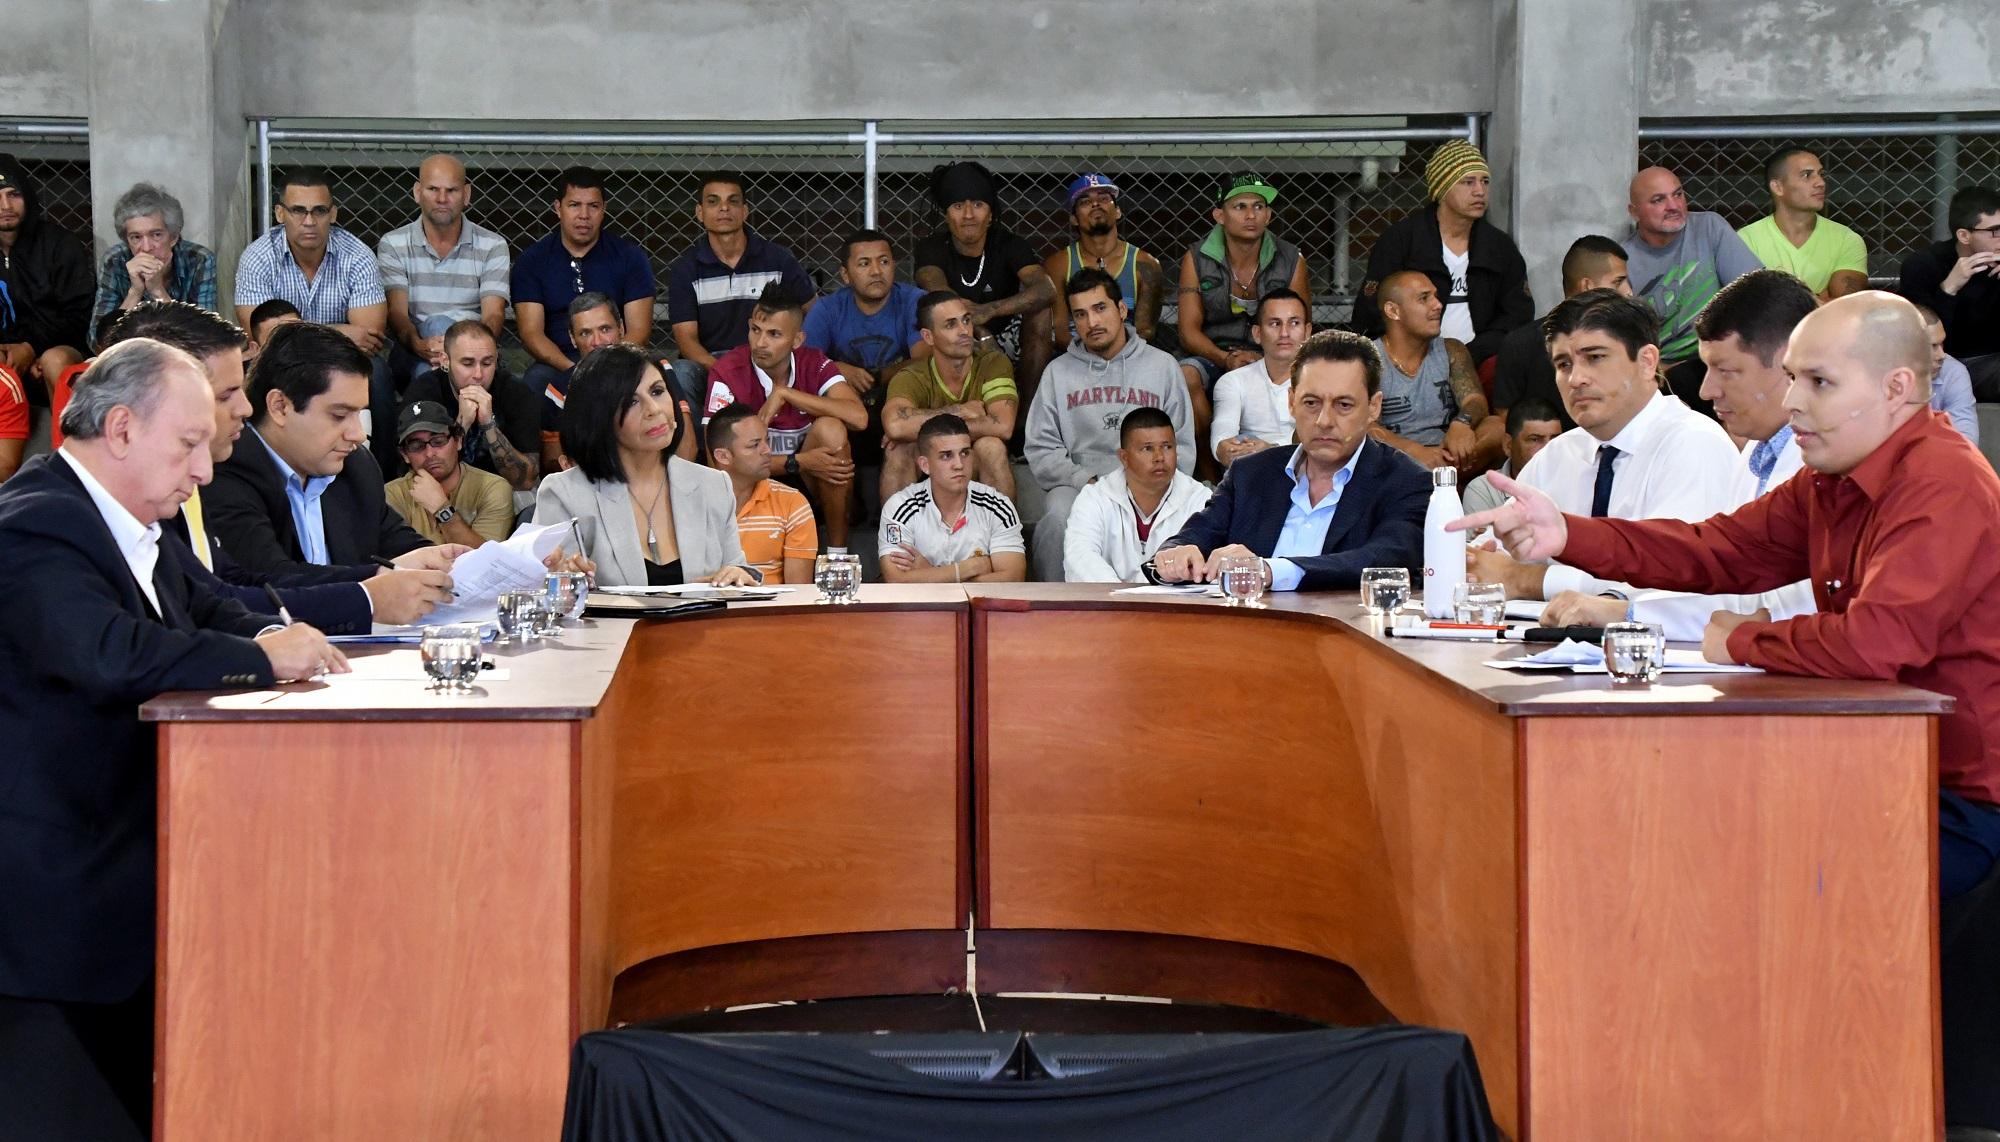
x=1896 y=526
x=807 y=407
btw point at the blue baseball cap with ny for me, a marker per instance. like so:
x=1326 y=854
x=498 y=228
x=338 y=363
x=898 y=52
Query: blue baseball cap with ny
x=1085 y=183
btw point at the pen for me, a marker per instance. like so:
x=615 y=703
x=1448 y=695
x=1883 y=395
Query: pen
x=378 y=561
x=271 y=593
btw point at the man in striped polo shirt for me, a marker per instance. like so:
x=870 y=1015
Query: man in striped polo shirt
x=774 y=521
x=950 y=528
x=439 y=270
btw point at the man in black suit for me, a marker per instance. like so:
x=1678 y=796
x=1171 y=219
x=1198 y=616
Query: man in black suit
x=301 y=495
x=370 y=593
x=1318 y=513
x=99 y=619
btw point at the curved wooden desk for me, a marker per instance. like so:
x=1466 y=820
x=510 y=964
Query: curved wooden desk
x=388 y=914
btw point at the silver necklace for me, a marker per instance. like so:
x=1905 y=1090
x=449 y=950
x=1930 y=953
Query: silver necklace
x=652 y=540
x=977 y=274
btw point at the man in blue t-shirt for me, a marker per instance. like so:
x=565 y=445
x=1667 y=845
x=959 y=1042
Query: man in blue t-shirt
x=581 y=256
x=870 y=327
x=715 y=284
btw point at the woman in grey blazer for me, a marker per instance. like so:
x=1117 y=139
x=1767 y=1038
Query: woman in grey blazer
x=647 y=517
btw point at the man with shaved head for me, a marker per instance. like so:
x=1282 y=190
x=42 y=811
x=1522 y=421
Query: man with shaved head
x=1678 y=258
x=1896 y=526
x=439 y=270
x=1433 y=410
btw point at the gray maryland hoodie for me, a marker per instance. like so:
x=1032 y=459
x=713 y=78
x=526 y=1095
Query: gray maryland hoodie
x=1083 y=398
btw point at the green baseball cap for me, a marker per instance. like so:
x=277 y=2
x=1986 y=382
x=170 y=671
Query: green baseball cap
x=1246 y=184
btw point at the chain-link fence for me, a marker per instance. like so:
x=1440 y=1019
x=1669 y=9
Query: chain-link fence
x=1336 y=195
x=1889 y=182
x=56 y=155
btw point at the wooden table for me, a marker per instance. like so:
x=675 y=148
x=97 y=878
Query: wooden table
x=1703 y=909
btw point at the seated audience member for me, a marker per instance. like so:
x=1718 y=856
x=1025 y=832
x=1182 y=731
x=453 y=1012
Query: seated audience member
x=1678 y=259
x=647 y=517
x=440 y=497
x=1093 y=207
x=337 y=600
x=949 y=528
x=1531 y=424
x=1636 y=453
x=99 y=621
x=1072 y=436
x=594 y=322
x=581 y=256
x=987 y=264
x=1830 y=258
x=807 y=407
x=441 y=269
x=1951 y=384
x=1472 y=264
x=1222 y=277
x=15 y=423
x=499 y=418
x=774 y=522
x=266 y=318
x=961 y=375
x=150 y=261
x=1522 y=370
x=1743 y=332
x=1433 y=410
x=868 y=327
x=1122 y=520
x=1285 y=504
x=716 y=282
x=301 y=491
x=46 y=275
x=1253 y=404
x=1895 y=491
x=1959 y=280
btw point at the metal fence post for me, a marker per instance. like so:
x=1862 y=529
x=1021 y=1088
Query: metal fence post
x=869 y=171
x=1945 y=183
x=262 y=207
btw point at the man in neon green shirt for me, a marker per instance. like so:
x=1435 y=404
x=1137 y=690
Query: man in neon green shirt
x=1831 y=259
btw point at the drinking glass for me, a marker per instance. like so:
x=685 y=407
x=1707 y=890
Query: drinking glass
x=452 y=656
x=1634 y=652
x=1242 y=579
x=1483 y=603
x=1385 y=590
x=838 y=577
x=564 y=593
x=520 y=615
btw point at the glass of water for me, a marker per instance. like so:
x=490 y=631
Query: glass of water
x=1634 y=652
x=452 y=656
x=1482 y=603
x=520 y=615
x=1242 y=579
x=564 y=593
x=1384 y=590
x=838 y=577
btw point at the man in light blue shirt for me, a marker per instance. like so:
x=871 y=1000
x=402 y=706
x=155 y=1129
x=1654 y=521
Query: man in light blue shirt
x=1951 y=382
x=1319 y=513
x=303 y=493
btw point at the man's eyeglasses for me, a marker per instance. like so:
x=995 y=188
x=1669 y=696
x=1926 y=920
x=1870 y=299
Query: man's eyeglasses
x=304 y=212
x=1990 y=231
x=418 y=445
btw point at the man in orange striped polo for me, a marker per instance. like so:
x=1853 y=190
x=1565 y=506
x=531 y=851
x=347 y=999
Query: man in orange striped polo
x=775 y=521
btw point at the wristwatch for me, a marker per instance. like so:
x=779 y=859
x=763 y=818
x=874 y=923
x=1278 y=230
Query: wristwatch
x=1465 y=418
x=445 y=514
x=792 y=464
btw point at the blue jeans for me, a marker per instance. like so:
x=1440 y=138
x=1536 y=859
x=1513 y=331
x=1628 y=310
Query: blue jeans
x=544 y=379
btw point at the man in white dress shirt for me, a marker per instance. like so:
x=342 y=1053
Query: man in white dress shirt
x=1636 y=452
x=1253 y=404
x=1742 y=334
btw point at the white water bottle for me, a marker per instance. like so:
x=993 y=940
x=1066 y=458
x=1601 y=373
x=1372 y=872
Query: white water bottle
x=1444 y=551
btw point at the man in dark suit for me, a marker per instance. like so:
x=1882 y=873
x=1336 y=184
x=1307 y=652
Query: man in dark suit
x=301 y=495
x=1318 y=513
x=369 y=595
x=99 y=619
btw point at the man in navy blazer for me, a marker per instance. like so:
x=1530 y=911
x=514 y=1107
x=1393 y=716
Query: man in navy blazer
x=300 y=495
x=1319 y=513
x=99 y=619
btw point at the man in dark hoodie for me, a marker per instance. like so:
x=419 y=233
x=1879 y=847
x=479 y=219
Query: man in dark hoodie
x=47 y=285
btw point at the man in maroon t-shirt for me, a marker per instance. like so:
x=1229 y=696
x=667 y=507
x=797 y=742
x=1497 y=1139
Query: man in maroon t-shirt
x=807 y=407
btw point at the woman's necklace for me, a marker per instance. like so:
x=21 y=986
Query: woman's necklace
x=653 y=540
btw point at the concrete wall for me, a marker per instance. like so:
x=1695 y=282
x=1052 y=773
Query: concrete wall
x=887 y=59
x=42 y=56
x=1784 y=57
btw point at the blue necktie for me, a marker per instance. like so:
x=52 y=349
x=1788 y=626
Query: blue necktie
x=1763 y=460
x=1600 y=496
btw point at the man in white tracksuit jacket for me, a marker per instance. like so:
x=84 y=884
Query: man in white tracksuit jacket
x=1073 y=421
x=1120 y=521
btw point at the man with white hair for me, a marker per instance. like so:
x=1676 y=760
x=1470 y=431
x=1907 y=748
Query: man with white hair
x=98 y=621
x=151 y=261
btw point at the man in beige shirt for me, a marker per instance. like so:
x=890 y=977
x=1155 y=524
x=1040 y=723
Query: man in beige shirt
x=445 y=500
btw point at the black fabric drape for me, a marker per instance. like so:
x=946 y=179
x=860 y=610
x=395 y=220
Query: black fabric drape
x=1389 y=1083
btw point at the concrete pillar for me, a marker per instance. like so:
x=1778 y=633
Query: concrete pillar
x=165 y=108
x=1565 y=141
